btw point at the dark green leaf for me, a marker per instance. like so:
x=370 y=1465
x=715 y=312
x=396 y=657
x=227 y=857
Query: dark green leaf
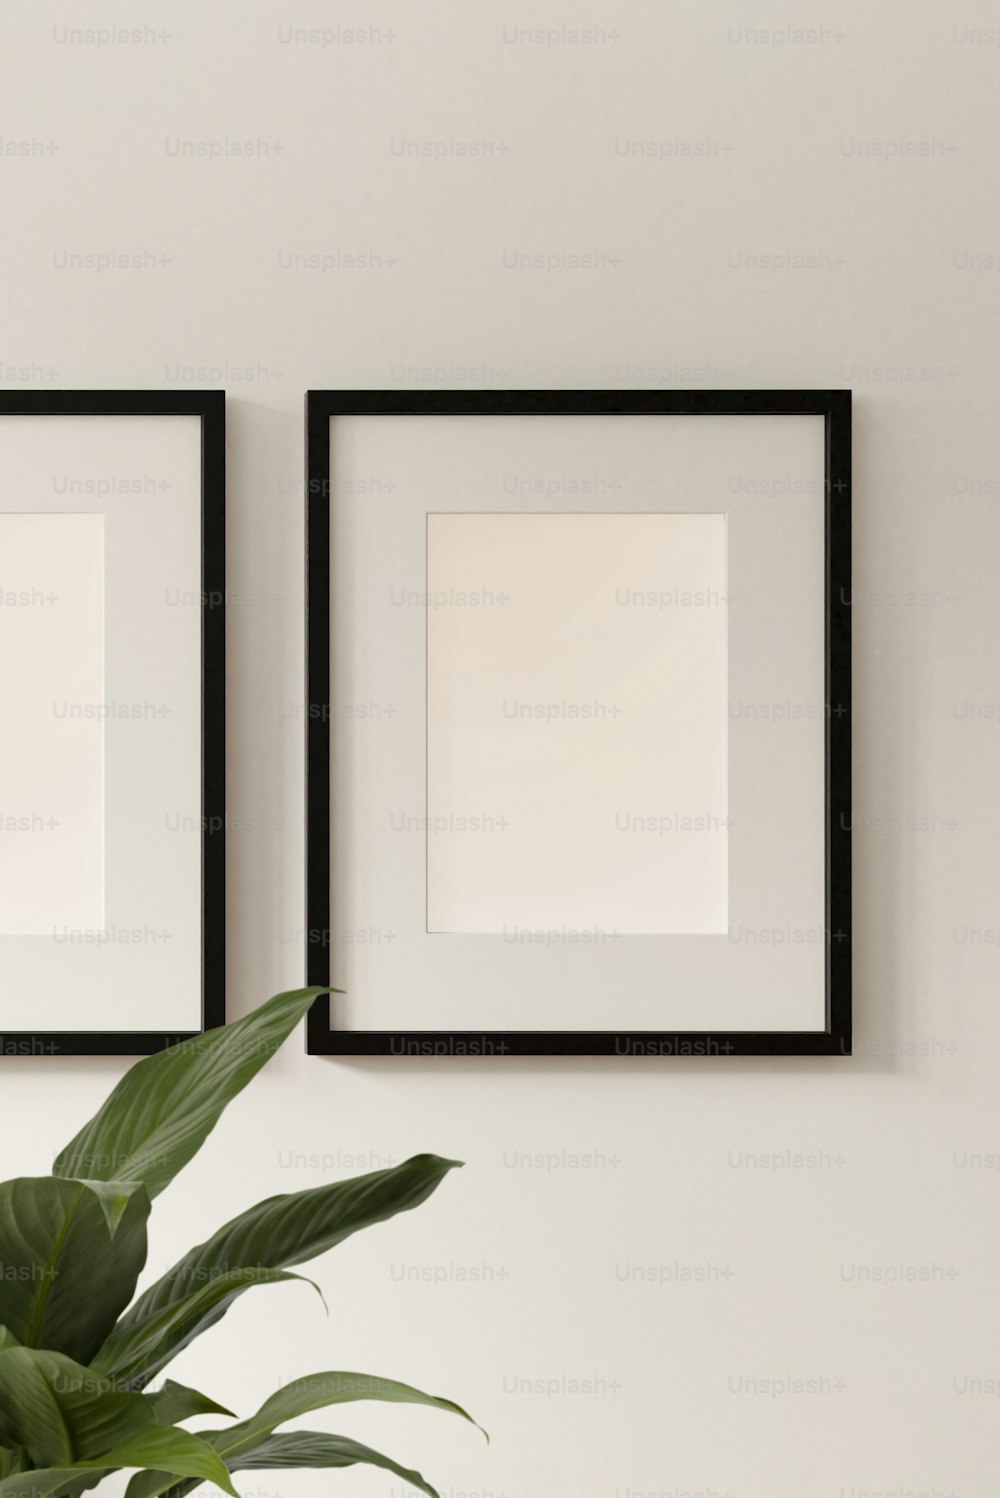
x=164 y=1452
x=60 y=1412
x=65 y=1277
x=43 y=1482
x=296 y=1448
x=250 y=1443
x=164 y=1448
x=176 y=1402
x=141 y=1348
x=12 y=1460
x=164 y=1108
x=286 y=1230
x=313 y=1448
x=70 y=1420
x=315 y=1392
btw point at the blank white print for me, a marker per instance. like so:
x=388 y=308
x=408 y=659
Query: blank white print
x=51 y=723
x=577 y=723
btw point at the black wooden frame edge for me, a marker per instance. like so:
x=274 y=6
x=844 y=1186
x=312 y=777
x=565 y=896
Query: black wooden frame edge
x=835 y=405
x=319 y=1028
x=210 y=406
x=630 y=1043
x=839 y=947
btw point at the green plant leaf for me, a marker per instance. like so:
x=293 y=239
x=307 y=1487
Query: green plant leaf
x=176 y=1402
x=164 y=1107
x=44 y=1481
x=294 y=1448
x=69 y=1419
x=315 y=1392
x=137 y=1350
x=164 y=1448
x=65 y=1277
x=281 y=1231
x=12 y=1460
x=242 y=1445
x=60 y=1412
x=72 y=1246
x=165 y=1452
x=314 y=1448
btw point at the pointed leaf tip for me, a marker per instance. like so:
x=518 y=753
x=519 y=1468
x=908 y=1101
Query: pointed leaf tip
x=164 y=1108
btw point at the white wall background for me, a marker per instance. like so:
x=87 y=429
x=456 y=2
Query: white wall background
x=870 y=148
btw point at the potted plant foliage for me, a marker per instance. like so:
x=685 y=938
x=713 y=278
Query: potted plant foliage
x=81 y=1361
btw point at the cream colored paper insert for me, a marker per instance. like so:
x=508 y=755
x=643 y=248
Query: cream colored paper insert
x=576 y=724
x=51 y=724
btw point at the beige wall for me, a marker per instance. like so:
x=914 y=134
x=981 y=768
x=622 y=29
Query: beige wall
x=676 y=151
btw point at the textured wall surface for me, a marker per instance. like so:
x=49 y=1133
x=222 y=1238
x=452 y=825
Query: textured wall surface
x=766 y=1280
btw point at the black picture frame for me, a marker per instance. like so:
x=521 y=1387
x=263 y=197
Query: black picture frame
x=210 y=407
x=835 y=406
